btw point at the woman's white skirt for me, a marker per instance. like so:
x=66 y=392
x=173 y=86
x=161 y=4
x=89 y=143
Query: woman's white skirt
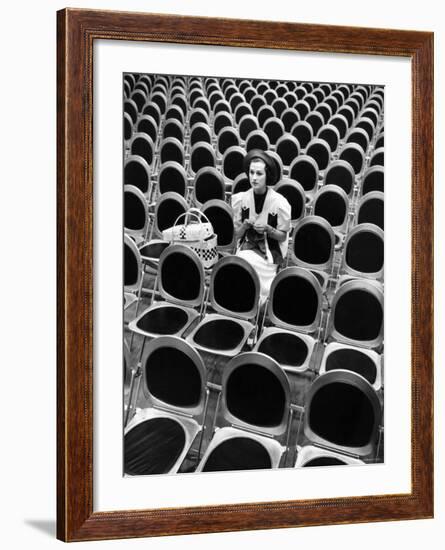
x=266 y=271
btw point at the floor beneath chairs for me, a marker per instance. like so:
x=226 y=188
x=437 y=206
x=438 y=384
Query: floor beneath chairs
x=299 y=384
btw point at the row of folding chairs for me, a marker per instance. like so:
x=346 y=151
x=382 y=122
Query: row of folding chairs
x=250 y=426
x=319 y=149
x=231 y=179
x=224 y=317
x=327 y=226
x=261 y=106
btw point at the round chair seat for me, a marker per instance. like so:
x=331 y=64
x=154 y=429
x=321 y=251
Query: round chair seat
x=353 y=360
x=153 y=250
x=324 y=461
x=238 y=453
x=153 y=446
x=219 y=334
x=286 y=349
x=163 y=320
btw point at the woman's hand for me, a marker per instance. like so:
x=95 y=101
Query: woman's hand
x=262 y=228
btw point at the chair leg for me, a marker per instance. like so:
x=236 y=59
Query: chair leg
x=135 y=375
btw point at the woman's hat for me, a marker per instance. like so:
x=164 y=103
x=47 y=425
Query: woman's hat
x=271 y=166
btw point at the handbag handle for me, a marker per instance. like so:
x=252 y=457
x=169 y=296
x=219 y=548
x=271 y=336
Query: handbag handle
x=192 y=213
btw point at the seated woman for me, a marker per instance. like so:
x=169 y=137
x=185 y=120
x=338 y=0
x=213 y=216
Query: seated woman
x=262 y=219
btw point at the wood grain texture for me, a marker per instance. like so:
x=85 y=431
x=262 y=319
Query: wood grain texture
x=77 y=30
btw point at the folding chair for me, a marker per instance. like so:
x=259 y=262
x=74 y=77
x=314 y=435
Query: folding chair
x=316 y=120
x=220 y=215
x=136 y=220
x=132 y=273
x=325 y=111
x=147 y=125
x=295 y=195
x=311 y=100
x=371 y=209
x=354 y=154
x=174 y=399
x=257 y=139
x=359 y=136
x=367 y=125
x=160 y=99
x=203 y=103
x=140 y=98
x=265 y=112
x=222 y=121
x=242 y=110
x=365 y=362
x=171 y=178
x=332 y=204
x=363 y=253
x=320 y=151
x=302 y=131
x=342 y=417
x=373 y=180
x=180 y=100
x=304 y=170
x=168 y=208
x=288 y=148
x=142 y=145
x=378 y=157
x=330 y=134
x=340 y=173
x=354 y=104
x=294 y=310
x=303 y=108
x=247 y=124
x=173 y=128
x=348 y=113
x=202 y=155
x=333 y=103
x=372 y=114
x=312 y=247
x=221 y=105
x=200 y=132
x=290 y=98
x=131 y=109
x=274 y=129
x=289 y=118
x=356 y=316
x=180 y=283
x=137 y=173
x=380 y=141
x=257 y=102
x=241 y=183
x=251 y=428
x=234 y=297
x=341 y=123
x=208 y=184
x=198 y=115
x=310 y=456
x=279 y=105
x=172 y=149
x=232 y=162
x=128 y=127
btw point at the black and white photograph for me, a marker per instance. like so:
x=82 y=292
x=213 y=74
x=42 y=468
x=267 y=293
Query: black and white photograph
x=253 y=271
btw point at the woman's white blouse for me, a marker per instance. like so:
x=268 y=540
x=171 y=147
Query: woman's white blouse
x=275 y=204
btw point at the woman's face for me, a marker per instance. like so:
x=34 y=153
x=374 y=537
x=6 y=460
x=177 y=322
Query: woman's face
x=257 y=176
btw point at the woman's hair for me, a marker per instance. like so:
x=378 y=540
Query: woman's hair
x=269 y=163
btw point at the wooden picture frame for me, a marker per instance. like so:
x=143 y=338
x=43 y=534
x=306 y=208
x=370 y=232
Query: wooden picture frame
x=77 y=31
